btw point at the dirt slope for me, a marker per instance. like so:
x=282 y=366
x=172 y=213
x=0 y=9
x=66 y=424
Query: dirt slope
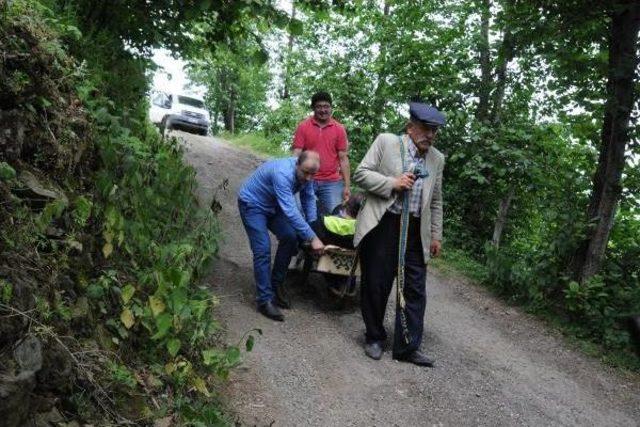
x=495 y=364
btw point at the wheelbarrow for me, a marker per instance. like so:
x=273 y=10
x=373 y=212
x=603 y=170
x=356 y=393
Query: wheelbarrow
x=335 y=260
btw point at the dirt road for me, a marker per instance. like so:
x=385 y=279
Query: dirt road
x=495 y=364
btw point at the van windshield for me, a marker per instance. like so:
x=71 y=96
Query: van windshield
x=190 y=101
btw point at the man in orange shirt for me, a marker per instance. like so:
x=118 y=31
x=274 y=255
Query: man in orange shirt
x=326 y=136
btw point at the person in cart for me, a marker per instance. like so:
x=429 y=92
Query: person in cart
x=338 y=229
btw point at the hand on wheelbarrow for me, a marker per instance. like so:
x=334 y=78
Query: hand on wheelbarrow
x=316 y=246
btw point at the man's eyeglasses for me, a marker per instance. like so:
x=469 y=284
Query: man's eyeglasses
x=322 y=107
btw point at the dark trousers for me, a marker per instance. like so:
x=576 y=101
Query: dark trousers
x=257 y=223
x=379 y=262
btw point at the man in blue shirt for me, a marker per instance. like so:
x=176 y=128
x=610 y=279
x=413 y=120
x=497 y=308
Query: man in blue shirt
x=266 y=202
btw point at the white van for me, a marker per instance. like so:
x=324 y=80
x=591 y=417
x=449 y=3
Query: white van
x=179 y=111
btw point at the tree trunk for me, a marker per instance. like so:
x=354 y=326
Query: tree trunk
x=230 y=118
x=501 y=219
x=216 y=117
x=287 y=61
x=379 y=97
x=486 y=79
x=230 y=112
x=505 y=56
x=489 y=108
x=623 y=60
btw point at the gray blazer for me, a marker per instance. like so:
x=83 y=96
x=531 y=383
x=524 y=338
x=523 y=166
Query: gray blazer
x=376 y=174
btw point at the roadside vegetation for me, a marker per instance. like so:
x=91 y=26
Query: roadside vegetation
x=256 y=142
x=103 y=243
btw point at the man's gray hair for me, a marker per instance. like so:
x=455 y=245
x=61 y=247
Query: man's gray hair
x=306 y=155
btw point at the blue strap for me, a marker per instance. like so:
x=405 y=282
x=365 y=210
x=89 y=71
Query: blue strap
x=402 y=250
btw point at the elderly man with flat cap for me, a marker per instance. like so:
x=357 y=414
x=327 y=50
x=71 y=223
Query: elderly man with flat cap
x=398 y=229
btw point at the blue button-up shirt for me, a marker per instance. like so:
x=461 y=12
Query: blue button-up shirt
x=273 y=186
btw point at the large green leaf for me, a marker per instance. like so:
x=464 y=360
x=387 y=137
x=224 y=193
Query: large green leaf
x=296 y=27
x=156 y=305
x=163 y=324
x=173 y=346
x=127 y=318
x=127 y=293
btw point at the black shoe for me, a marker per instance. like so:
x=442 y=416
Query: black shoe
x=417 y=358
x=373 y=350
x=271 y=311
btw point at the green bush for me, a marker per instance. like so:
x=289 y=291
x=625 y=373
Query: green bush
x=106 y=273
x=156 y=243
x=595 y=310
x=280 y=124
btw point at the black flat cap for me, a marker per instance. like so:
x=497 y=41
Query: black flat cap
x=426 y=114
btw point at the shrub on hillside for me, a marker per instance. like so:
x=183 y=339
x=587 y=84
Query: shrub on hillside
x=102 y=246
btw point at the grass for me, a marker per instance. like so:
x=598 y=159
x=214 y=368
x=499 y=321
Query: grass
x=255 y=141
x=459 y=262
